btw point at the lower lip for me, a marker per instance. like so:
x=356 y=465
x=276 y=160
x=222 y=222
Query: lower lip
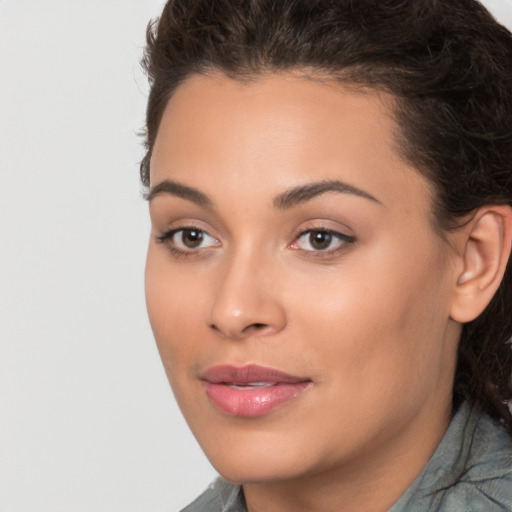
x=251 y=402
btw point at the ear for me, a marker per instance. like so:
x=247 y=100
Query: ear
x=485 y=245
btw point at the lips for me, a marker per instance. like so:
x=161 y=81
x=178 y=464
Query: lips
x=251 y=391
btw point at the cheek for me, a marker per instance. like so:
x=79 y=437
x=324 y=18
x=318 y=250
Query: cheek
x=174 y=305
x=378 y=328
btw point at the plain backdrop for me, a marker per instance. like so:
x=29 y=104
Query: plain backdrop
x=87 y=420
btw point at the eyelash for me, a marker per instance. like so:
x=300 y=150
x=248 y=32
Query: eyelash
x=344 y=241
x=167 y=239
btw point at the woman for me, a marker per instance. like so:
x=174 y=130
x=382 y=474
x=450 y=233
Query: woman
x=327 y=277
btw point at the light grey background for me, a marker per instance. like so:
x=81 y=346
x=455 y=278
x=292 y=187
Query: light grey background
x=87 y=421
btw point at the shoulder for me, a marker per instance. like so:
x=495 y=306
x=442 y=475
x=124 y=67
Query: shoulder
x=484 y=481
x=471 y=470
x=220 y=496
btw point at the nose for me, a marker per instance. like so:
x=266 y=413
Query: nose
x=246 y=301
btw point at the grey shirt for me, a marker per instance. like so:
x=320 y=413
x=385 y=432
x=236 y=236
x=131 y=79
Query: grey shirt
x=470 y=471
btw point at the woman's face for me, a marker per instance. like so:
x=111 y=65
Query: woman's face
x=297 y=290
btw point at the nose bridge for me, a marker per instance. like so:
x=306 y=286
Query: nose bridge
x=246 y=300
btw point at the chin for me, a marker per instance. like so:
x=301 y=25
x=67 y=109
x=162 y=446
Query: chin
x=249 y=456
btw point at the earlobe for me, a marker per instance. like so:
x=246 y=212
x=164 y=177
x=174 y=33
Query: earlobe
x=486 y=245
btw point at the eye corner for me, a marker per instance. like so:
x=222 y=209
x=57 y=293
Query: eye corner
x=193 y=242
x=321 y=241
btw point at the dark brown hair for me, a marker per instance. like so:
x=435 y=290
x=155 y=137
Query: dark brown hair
x=448 y=63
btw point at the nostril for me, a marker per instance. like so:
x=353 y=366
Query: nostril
x=255 y=327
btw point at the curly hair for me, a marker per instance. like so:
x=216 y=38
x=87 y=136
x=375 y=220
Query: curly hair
x=448 y=63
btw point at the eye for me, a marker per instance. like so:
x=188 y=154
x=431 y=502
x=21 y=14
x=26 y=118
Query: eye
x=188 y=239
x=321 y=240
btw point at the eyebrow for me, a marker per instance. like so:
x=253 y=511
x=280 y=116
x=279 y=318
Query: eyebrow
x=288 y=199
x=303 y=193
x=176 y=189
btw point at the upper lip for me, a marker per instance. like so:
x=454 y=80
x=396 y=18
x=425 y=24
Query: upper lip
x=227 y=374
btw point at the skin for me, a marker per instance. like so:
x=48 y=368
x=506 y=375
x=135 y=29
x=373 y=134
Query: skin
x=368 y=321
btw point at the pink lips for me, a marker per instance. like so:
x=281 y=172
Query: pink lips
x=252 y=390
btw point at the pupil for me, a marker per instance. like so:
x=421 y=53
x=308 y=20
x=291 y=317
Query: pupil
x=192 y=238
x=320 y=239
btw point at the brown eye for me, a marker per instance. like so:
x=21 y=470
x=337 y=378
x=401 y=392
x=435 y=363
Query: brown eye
x=188 y=240
x=191 y=238
x=320 y=240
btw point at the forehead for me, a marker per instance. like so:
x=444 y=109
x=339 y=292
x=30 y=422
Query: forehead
x=278 y=131
x=286 y=105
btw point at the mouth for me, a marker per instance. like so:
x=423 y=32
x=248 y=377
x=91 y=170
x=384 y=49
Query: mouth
x=251 y=391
